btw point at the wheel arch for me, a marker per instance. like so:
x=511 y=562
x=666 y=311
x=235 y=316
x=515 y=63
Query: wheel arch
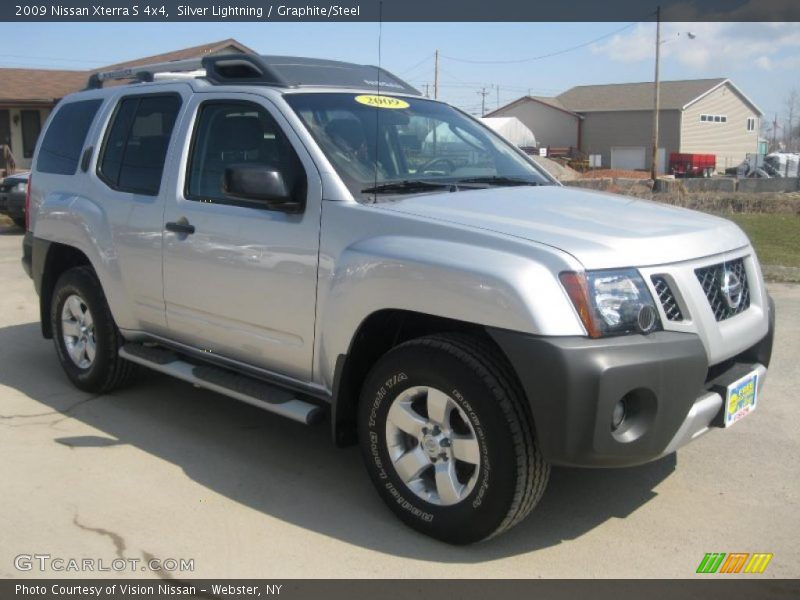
x=51 y=260
x=378 y=333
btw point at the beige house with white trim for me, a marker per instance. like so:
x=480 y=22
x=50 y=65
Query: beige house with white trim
x=709 y=116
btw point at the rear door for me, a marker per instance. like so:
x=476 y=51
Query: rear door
x=242 y=284
x=137 y=148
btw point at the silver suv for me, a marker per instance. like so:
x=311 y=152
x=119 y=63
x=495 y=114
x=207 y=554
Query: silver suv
x=319 y=240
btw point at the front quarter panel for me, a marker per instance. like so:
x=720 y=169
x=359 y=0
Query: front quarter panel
x=433 y=269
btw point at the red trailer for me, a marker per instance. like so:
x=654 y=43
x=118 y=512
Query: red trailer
x=692 y=165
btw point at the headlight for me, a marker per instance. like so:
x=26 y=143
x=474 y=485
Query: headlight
x=612 y=302
x=21 y=187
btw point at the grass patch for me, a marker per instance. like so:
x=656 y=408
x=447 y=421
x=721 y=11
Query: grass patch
x=776 y=237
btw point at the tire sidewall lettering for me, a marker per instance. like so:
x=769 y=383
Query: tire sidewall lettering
x=486 y=466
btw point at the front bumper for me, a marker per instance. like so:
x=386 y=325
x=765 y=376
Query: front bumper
x=574 y=383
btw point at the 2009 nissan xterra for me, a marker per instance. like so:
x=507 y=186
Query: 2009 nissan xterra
x=318 y=239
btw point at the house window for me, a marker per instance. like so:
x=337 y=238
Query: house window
x=751 y=124
x=714 y=118
x=31 y=126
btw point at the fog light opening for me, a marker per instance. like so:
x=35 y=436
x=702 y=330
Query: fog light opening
x=633 y=414
x=619 y=414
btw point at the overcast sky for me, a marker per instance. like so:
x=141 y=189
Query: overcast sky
x=763 y=59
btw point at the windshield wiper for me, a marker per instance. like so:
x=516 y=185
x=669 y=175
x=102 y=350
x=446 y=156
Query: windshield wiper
x=408 y=186
x=499 y=180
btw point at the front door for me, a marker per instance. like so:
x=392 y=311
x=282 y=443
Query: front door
x=240 y=280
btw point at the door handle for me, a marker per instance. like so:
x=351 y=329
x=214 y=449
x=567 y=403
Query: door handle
x=182 y=225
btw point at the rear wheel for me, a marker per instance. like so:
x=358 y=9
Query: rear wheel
x=86 y=338
x=448 y=440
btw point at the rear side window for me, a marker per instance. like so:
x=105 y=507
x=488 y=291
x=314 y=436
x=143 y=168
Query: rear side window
x=136 y=143
x=63 y=142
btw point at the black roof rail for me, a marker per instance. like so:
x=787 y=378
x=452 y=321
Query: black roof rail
x=277 y=71
x=241 y=68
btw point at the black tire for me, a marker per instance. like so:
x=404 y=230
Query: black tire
x=108 y=370
x=512 y=475
x=19 y=222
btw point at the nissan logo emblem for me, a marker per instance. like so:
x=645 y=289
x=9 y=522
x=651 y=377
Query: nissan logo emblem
x=731 y=289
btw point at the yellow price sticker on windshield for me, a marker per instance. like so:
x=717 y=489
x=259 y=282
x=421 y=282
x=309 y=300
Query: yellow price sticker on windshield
x=381 y=101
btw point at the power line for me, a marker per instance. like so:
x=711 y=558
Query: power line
x=423 y=61
x=542 y=56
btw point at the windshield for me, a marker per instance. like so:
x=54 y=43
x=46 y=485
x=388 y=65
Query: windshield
x=393 y=145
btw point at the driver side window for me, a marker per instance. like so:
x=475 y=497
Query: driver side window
x=229 y=133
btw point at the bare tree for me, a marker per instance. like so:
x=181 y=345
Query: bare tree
x=790 y=131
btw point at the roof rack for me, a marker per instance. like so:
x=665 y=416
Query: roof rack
x=251 y=69
x=227 y=69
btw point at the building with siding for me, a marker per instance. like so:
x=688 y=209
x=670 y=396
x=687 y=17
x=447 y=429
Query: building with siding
x=709 y=116
x=28 y=95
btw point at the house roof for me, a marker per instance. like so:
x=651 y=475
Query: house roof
x=44 y=86
x=220 y=47
x=551 y=102
x=38 y=86
x=674 y=95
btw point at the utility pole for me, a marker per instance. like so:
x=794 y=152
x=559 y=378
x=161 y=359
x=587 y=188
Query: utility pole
x=427 y=95
x=483 y=93
x=775 y=133
x=436 y=74
x=498 y=96
x=657 y=99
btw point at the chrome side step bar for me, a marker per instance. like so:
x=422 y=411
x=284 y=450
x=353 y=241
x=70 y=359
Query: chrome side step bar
x=222 y=381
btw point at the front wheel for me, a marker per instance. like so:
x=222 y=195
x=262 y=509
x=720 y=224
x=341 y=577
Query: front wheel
x=448 y=440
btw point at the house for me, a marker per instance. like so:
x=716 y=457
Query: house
x=28 y=95
x=553 y=124
x=710 y=116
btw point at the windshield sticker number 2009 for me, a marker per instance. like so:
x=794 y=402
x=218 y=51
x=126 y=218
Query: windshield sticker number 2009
x=381 y=101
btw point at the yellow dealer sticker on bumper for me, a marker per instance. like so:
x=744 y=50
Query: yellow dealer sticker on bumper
x=381 y=101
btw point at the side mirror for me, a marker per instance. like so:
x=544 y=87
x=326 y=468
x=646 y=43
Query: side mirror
x=260 y=185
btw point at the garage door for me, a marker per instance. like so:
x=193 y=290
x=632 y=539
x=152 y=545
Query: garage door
x=628 y=157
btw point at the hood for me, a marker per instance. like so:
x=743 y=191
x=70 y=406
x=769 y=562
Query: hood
x=601 y=230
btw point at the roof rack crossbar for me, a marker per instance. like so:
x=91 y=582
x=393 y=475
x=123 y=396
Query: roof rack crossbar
x=143 y=72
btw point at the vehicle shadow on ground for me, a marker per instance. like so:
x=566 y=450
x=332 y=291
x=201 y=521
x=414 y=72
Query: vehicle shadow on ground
x=289 y=471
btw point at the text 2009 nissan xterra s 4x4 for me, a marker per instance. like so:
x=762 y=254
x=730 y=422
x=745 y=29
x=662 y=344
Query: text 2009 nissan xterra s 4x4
x=317 y=238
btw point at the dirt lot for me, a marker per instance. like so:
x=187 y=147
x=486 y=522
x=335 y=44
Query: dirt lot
x=168 y=471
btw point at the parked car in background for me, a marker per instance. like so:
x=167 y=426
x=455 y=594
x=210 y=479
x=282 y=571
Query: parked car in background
x=12 y=197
